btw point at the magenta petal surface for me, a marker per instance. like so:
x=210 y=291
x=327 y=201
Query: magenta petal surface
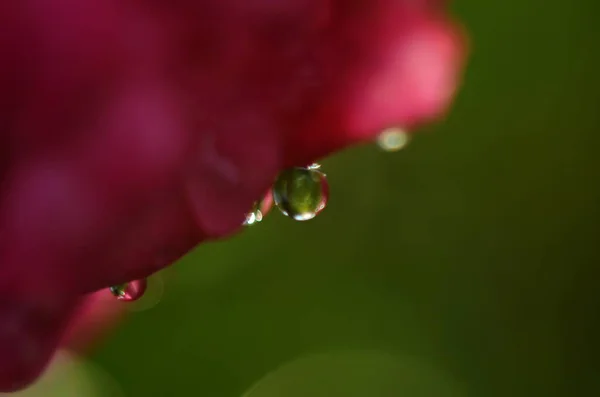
x=132 y=130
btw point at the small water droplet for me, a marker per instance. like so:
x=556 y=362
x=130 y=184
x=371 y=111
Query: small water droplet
x=130 y=291
x=153 y=294
x=259 y=209
x=393 y=139
x=314 y=166
x=301 y=193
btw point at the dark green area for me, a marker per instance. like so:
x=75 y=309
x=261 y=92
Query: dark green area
x=471 y=253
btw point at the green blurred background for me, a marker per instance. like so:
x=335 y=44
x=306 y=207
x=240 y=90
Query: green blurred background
x=463 y=265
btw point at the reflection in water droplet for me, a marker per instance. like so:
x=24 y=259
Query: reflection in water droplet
x=301 y=193
x=314 y=166
x=393 y=139
x=130 y=291
x=259 y=209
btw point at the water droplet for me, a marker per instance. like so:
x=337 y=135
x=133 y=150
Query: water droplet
x=301 y=193
x=155 y=289
x=130 y=291
x=259 y=209
x=314 y=166
x=393 y=139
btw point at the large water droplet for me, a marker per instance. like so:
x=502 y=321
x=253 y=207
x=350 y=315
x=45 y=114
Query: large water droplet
x=393 y=139
x=301 y=193
x=130 y=291
x=259 y=209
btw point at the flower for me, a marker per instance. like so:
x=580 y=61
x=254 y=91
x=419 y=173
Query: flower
x=132 y=131
x=96 y=315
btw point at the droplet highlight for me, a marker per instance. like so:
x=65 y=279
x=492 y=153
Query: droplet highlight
x=301 y=193
x=393 y=139
x=130 y=291
x=259 y=209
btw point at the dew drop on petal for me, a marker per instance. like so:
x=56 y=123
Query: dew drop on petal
x=393 y=139
x=130 y=291
x=259 y=209
x=301 y=193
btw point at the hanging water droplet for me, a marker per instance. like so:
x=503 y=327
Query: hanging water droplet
x=152 y=295
x=259 y=209
x=393 y=139
x=301 y=193
x=130 y=291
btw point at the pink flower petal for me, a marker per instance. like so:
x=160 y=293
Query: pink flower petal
x=130 y=131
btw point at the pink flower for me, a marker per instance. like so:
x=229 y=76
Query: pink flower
x=132 y=130
x=95 y=317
